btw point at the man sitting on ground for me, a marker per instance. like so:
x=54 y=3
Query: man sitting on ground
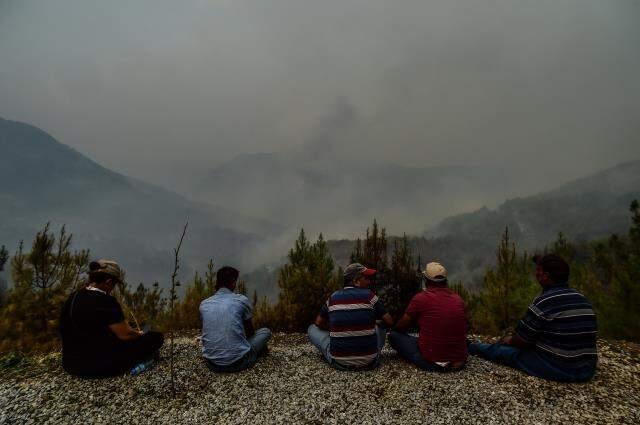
x=345 y=331
x=229 y=342
x=556 y=339
x=441 y=345
x=96 y=339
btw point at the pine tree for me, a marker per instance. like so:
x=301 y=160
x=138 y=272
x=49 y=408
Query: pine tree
x=304 y=282
x=506 y=290
x=242 y=288
x=42 y=279
x=254 y=299
x=4 y=256
x=403 y=282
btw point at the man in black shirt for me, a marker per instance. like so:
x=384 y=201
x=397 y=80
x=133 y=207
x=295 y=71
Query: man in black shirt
x=96 y=339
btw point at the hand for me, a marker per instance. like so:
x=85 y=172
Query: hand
x=507 y=340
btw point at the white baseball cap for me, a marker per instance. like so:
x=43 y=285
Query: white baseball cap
x=435 y=272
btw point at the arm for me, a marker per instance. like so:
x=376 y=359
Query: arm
x=387 y=320
x=248 y=328
x=124 y=332
x=322 y=323
x=528 y=329
x=247 y=317
x=516 y=341
x=404 y=323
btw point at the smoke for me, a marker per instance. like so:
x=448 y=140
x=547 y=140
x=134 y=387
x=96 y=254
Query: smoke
x=331 y=130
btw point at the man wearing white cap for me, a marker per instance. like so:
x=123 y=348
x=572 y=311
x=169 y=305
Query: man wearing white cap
x=439 y=313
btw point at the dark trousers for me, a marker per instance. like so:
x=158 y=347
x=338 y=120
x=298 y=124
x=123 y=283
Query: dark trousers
x=126 y=355
x=530 y=362
x=407 y=348
x=143 y=349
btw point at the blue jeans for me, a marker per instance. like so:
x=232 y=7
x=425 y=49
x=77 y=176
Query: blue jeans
x=530 y=362
x=407 y=348
x=258 y=342
x=321 y=340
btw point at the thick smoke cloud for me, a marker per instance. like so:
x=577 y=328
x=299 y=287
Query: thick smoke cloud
x=165 y=90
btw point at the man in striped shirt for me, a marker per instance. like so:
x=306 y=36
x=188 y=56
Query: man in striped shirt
x=345 y=331
x=556 y=339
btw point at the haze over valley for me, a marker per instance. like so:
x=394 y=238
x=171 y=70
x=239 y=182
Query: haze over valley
x=447 y=121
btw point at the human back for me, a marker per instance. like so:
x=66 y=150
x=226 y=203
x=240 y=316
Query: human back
x=223 y=317
x=96 y=338
x=440 y=315
x=352 y=326
x=229 y=341
x=84 y=328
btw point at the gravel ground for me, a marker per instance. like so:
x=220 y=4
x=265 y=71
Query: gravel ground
x=292 y=385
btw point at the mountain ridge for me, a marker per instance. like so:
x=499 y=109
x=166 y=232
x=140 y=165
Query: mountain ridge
x=43 y=180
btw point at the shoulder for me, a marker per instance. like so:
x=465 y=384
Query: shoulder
x=206 y=301
x=420 y=296
x=242 y=299
x=557 y=296
x=110 y=300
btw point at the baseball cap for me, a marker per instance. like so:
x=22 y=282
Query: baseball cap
x=109 y=267
x=435 y=272
x=354 y=270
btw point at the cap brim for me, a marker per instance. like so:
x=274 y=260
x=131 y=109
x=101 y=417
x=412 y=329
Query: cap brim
x=434 y=279
x=369 y=272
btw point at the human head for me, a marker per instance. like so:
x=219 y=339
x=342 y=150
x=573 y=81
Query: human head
x=435 y=273
x=105 y=274
x=551 y=269
x=358 y=275
x=226 y=277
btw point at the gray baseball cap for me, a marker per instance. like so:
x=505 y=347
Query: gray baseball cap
x=354 y=270
x=107 y=267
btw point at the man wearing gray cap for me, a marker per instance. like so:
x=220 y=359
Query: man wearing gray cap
x=96 y=338
x=345 y=330
x=439 y=314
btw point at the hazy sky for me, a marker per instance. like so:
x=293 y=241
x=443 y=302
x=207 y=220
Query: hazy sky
x=164 y=89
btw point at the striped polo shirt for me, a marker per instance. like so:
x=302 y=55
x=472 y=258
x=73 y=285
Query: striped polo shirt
x=562 y=325
x=352 y=313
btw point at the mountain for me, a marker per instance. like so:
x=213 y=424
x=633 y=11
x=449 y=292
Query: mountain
x=42 y=180
x=335 y=196
x=585 y=209
x=591 y=207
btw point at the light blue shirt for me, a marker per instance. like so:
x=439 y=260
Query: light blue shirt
x=223 y=316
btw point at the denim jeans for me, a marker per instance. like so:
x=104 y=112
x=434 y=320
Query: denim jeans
x=530 y=362
x=321 y=340
x=258 y=342
x=407 y=348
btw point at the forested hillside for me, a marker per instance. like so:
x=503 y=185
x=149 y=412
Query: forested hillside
x=42 y=180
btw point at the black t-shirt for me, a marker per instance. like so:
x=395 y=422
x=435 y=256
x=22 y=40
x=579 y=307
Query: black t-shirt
x=87 y=341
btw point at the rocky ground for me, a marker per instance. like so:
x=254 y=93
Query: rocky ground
x=292 y=385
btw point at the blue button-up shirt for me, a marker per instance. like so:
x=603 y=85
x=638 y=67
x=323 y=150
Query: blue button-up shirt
x=223 y=316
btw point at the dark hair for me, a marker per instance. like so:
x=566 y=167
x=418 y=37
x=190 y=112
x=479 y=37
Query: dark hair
x=226 y=276
x=558 y=274
x=430 y=282
x=554 y=266
x=100 y=277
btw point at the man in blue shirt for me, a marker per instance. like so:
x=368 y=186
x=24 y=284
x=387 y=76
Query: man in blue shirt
x=556 y=339
x=229 y=342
